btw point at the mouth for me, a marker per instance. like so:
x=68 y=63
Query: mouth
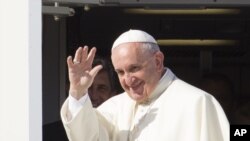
x=95 y=103
x=137 y=88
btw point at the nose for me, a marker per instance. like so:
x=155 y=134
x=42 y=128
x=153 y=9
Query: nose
x=129 y=80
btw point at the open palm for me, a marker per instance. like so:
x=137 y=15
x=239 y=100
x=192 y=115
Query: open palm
x=81 y=73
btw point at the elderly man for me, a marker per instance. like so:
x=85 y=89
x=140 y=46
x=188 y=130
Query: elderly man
x=156 y=105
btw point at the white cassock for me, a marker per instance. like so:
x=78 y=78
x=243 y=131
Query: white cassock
x=176 y=111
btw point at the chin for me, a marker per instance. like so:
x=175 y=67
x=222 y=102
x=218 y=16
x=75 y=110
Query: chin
x=138 y=98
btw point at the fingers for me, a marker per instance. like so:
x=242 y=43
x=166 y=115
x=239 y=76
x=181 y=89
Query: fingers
x=83 y=57
x=84 y=53
x=91 y=57
x=78 y=55
x=95 y=70
x=70 y=62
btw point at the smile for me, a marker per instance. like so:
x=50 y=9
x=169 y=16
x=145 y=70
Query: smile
x=137 y=87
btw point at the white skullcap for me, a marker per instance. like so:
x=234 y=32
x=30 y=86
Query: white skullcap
x=134 y=36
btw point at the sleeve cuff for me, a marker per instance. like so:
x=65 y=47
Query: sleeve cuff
x=75 y=105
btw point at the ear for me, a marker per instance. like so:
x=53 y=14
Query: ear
x=159 y=60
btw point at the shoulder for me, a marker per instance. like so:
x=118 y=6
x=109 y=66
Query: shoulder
x=187 y=92
x=184 y=87
x=182 y=94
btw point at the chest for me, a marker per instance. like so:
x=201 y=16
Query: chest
x=160 y=120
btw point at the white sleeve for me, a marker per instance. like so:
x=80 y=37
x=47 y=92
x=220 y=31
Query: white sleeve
x=82 y=122
x=75 y=105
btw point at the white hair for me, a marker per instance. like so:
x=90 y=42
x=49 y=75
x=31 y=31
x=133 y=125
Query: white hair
x=150 y=47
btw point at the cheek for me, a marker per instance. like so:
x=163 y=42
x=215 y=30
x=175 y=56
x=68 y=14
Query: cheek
x=148 y=76
x=104 y=96
x=143 y=75
x=122 y=82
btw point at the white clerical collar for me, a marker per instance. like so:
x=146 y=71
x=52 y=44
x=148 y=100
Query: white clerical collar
x=163 y=84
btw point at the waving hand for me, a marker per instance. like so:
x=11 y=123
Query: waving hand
x=81 y=73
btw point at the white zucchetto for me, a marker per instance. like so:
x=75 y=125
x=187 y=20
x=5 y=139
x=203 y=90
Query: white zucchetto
x=134 y=36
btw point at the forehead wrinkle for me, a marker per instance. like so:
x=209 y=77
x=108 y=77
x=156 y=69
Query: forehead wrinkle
x=129 y=54
x=125 y=59
x=132 y=47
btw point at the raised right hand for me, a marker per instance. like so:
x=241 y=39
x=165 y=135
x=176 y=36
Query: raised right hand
x=81 y=73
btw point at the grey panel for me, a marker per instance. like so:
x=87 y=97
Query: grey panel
x=159 y=3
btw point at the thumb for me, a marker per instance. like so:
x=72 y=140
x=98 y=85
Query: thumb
x=95 y=70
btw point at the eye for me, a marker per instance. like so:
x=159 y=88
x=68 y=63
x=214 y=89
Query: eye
x=119 y=72
x=102 y=88
x=134 y=68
